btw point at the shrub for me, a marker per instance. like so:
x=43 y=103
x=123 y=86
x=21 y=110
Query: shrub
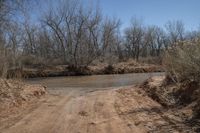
x=28 y=60
x=108 y=69
x=182 y=62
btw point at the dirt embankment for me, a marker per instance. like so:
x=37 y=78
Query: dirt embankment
x=125 y=67
x=135 y=106
x=15 y=94
x=181 y=97
x=172 y=94
x=99 y=69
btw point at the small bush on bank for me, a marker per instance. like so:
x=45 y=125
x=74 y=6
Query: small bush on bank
x=108 y=69
x=182 y=62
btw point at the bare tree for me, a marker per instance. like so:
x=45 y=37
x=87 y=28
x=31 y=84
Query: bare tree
x=134 y=38
x=71 y=33
x=175 y=31
x=154 y=40
x=77 y=30
x=110 y=41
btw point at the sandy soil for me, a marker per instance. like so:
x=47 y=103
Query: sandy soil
x=15 y=98
x=116 y=110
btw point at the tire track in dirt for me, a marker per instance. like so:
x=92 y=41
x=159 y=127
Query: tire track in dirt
x=43 y=118
x=74 y=113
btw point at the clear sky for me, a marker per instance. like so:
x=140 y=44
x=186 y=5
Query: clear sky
x=156 y=12
x=152 y=12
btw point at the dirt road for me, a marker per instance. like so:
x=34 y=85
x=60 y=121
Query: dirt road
x=119 y=110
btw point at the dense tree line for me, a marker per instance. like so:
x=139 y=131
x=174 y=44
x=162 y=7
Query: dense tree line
x=73 y=34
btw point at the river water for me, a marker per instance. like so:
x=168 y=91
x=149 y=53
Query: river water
x=94 y=81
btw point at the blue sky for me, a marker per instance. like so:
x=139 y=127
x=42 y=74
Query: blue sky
x=153 y=12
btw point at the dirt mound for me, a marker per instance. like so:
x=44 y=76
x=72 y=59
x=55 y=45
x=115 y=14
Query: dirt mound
x=14 y=93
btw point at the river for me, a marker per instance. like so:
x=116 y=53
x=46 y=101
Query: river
x=92 y=82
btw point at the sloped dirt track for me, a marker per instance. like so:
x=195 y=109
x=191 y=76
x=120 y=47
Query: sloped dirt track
x=105 y=111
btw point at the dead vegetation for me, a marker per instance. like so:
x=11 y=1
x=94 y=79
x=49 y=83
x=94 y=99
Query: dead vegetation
x=84 y=36
x=130 y=66
x=182 y=61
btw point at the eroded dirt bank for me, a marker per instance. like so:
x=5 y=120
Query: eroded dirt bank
x=136 y=107
x=181 y=98
x=16 y=96
x=95 y=69
x=115 y=110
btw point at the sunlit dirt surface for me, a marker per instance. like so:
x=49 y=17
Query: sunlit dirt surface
x=115 y=110
x=125 y=109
